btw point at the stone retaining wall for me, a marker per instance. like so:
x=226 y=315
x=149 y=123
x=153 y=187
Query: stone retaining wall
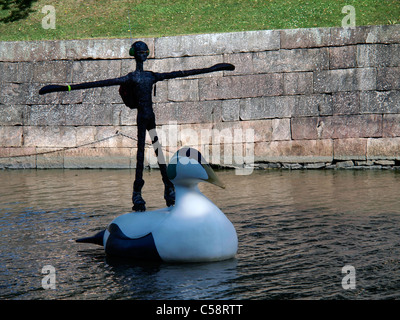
x=315 y=98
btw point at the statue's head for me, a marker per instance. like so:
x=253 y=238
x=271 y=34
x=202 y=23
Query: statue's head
x=139 y=50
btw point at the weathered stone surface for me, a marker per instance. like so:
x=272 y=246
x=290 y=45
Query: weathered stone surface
x=218 y=43
x=291 y=60
x=88 y=114
x=378 y=55
x=298 y=83
x=183 y=90
x=350 y=149
x=196 y=112
x=49 y=136
x=343 y=57
x=391 y=125
x=264 y=130
x=325 y=94
x=17 y=158
x=305 y=128
x=345 y=80
x=11 y=136
x=337 y=127
x=180 y=63
x=12 y=115
x=313 y=105
x=384 y=34
x=295 y=151
x=241 y=86
x=230 y=110
x=380 y=101
x=384 y=148
x=49 y=158
x=346 y=103
x=388 y=78
x=243 y=63
x=93 y=158
x=305 y=38
x=45 y=115
x=266 y=107
x=87 y=70
x=52 y=71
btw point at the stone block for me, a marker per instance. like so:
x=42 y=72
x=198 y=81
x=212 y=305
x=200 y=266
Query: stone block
x=384 y=148
x=109 y=95
x=349 y=35
x=241 y=86
x=88 y=114
x=93 y=70
x=14 y=93
x=71 y=97
x=294 y=151
x=337 y=127
x=186 y=63
x=125 y=117
x=345 y=80
x=101 y=48
x=388 y=78
x=12 y=115
x=266 y=107
x=350 y=149
x=17 y=158
x=198 y=112
x=380 y=102
x=52 y=72
x=165 y=112
x=264 y=130
x=243 y=63
x=217 y=43
x=230 y=110
x=183 y=90
x=11 y=136
x=106 y=137
x=296 y=60
x=305 y=38
x=346 y=103
x=343 y=57
x=391 y=125
x=96 y=158
x=49 y=136
x=298 y=83
x=378 y=55
x=17 y=72
x=45 y=115
x=49 y=158
x=313 y=105
x=384 y=34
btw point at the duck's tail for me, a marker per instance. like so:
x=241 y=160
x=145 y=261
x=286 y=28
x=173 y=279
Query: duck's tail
x=96 y=239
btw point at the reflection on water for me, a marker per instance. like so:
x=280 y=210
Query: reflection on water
x=296 y=230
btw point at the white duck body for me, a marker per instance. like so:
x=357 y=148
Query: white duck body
x=194 y=230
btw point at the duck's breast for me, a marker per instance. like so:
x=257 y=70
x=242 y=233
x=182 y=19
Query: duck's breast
x=197 y=237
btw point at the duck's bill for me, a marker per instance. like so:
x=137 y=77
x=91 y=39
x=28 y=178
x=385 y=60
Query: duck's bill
x=212 y=177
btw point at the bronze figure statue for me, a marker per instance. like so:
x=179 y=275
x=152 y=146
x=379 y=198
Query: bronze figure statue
x=136 y=91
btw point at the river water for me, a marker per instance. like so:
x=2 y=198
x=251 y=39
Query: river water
x=296 y=230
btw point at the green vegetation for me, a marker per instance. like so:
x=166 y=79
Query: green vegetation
x=78 y=19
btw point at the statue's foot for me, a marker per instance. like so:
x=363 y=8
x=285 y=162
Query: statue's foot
x=138 y=202
x=169 y=196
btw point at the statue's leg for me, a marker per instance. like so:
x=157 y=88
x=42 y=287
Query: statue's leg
x=137 y=200
x=169 y=190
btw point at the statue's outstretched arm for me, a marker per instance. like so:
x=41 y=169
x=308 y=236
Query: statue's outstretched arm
x=85 y=85
x=187 y=73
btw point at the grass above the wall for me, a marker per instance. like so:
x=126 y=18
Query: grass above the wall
x=80 y=19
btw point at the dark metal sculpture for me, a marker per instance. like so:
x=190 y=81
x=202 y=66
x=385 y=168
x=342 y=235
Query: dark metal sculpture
x=136 y=91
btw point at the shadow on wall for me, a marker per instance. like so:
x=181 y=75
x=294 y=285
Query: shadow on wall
x=18 y=9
